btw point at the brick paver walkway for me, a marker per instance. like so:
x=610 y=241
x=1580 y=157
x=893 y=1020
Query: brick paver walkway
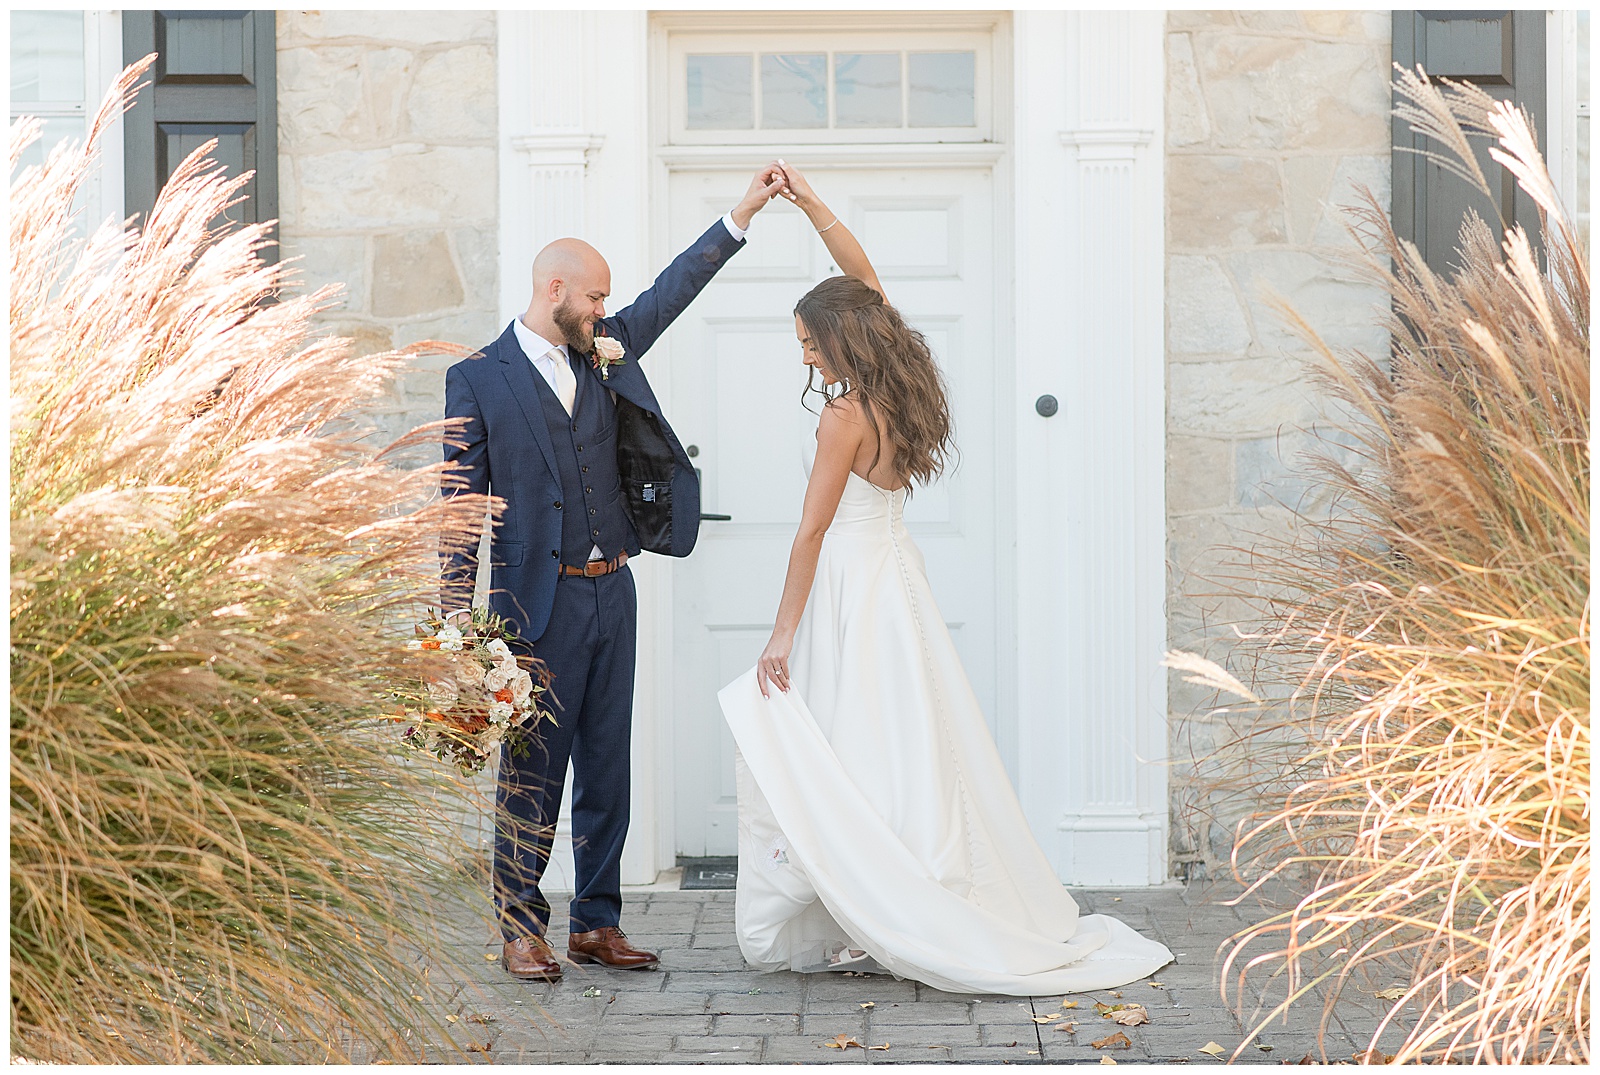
x=706 y=1006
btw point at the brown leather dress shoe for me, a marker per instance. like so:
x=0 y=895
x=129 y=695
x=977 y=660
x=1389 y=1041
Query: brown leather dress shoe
x=530 y=957
x=608 y=945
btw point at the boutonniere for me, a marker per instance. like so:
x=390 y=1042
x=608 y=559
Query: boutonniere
x=607 y=353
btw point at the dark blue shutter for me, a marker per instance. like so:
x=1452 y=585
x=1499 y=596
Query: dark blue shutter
x=1502 y=52
x=215 y=76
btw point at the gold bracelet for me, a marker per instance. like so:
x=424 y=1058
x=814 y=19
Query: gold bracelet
x=821 y=230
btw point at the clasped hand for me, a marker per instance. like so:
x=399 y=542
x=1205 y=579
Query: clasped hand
x=769 y=180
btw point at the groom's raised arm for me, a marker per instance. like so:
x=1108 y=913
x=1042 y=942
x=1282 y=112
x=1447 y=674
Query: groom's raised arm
x=644 y=320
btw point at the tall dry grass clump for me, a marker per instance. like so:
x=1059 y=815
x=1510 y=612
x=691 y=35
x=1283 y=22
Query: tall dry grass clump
x=1443 y=810
x=216 y=853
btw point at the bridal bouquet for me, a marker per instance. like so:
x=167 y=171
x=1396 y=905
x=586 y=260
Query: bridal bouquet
x=476 y=696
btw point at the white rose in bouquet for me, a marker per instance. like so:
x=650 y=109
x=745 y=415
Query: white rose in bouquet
x=442 y=694
x=522 y=690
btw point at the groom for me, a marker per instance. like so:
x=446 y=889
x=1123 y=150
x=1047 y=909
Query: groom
x=562 y=425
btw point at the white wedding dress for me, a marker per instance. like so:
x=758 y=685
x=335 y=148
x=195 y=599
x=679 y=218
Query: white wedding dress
x=874 y=812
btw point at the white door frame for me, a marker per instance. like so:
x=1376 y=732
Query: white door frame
x=1078 y=172
x=743 y=158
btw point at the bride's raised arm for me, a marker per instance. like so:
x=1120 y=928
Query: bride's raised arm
x=841 y=242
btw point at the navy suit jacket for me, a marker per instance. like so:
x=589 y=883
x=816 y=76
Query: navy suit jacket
x=507 y=449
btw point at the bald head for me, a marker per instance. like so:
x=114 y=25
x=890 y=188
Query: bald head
x=571 y=282
x=569 y=261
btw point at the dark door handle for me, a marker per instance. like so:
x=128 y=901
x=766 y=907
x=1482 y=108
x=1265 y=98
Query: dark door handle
x=707 y=518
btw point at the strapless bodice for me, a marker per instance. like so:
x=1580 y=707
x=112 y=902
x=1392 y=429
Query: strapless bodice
x=864 y=508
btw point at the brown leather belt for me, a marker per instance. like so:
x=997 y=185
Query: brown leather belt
x=592 y=569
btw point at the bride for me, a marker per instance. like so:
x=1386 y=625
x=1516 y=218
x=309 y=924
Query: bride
x=877 y=828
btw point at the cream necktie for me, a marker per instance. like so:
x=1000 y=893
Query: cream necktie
x=566 y=384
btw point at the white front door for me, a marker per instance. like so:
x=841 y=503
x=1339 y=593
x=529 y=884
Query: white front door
x=737 y=380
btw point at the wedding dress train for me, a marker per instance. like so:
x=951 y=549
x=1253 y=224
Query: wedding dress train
x=874 y=812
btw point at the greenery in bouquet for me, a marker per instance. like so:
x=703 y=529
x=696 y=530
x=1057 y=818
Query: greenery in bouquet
x=475 y=694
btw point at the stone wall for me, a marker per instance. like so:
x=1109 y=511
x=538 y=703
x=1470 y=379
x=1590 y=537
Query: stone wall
x=1274 y=119
x=387 y=127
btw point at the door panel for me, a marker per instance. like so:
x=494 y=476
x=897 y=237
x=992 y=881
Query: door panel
x=737 y=381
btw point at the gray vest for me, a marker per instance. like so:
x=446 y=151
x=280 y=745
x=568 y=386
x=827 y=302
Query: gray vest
x=586 y=457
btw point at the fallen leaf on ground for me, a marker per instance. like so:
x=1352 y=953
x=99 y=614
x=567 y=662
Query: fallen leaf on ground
x=1045 y=1018
x=1119 y=1040
x=490 y=956
x=1394 y=992
x=1306 y=1059
x=473 y=1047
x=843 y=1041
x=1117 y=995
x=1033 y=1052
x=480 y=1017
x=415 y=997
x=450 y=1019
x=591 y=992
x=1107 y=1060
x=752 y=992
x=878 y=1048
x=1065 y=1004
x=1372 y=1056
x=1156 y=985
x=1264 y=1048
x=1211 y=1048
x=1070 y=1028
x=1132 y=1016
x=869 y=1004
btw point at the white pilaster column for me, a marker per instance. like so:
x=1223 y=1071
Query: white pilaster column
x=1116 y=814
x=1091 y=486
x=574 y=155
x=545 y=142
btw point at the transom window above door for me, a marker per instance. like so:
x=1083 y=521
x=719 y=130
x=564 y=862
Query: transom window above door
x=843 y=87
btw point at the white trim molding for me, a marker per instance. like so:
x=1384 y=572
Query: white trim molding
x=557 y=147
x=899 y=154
x=1565 y=111
x=1092 y=621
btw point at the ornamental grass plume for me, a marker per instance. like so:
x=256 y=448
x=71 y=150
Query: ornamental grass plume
x=217 y=852
x=1443 y=808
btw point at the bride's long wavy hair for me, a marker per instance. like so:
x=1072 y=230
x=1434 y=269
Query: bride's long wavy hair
x=886 y=365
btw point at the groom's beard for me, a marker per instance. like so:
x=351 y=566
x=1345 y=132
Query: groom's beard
x=570 y=320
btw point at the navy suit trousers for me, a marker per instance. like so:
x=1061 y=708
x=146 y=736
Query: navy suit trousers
x=589 y=648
